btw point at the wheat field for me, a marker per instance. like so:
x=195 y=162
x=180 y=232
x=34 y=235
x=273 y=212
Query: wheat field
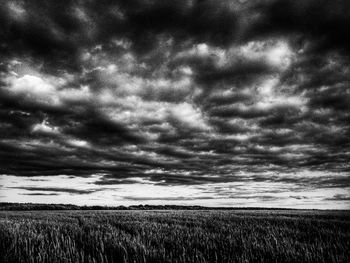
x=175 y=236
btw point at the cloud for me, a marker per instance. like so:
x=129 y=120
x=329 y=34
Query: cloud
x=117 y=181
x=339 y=197
x=188 y=116
x=34 y=88
x=165 y=198
x=321 y=21
x=56 y=190
x=40 y=194
x=185 y=93
x=44 y=127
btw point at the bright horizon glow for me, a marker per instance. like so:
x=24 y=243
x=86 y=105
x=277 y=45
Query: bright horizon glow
x=269 y=195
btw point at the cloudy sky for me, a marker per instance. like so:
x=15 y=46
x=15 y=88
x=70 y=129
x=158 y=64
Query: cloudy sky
x=216 y=103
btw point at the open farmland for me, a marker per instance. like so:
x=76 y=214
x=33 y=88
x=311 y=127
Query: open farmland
x=175 y=236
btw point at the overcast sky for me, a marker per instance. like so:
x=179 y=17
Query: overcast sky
x=217 y=103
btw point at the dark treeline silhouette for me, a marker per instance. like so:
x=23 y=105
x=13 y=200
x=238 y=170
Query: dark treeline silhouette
x=34 y=206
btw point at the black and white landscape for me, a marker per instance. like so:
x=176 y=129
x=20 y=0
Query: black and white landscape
x=232 y=103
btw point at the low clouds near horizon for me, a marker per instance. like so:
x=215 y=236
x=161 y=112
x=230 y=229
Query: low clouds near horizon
x=212 y=100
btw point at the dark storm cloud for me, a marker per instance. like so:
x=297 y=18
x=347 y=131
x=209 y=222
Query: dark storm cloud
x=56 y=190
x=180 y=179
x=298 y=197
x=207 y=71
x=51 y=29
x=339 y=197
x=323 y=22
x=204 y=21
x=333 y=181
x=199 y=90
x=115 y=181
x=56 y=31
x=41 y=194
x=94 y=127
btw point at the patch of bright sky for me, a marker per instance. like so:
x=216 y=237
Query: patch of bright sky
x=249 y=194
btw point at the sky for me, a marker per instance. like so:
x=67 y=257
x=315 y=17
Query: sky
x=187 y=102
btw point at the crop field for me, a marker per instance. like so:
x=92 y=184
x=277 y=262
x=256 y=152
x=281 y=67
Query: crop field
x=175 y=236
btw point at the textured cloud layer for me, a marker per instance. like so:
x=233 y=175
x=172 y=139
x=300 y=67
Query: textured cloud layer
x=176 y=93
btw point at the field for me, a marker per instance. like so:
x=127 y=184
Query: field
x=175 y=236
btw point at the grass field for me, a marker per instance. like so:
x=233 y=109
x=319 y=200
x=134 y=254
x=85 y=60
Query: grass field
x=175 y=236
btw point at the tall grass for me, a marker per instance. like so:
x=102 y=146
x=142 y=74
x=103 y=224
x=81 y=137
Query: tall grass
x=174 y=236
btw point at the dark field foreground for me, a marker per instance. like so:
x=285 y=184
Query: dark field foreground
x=175 y=236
